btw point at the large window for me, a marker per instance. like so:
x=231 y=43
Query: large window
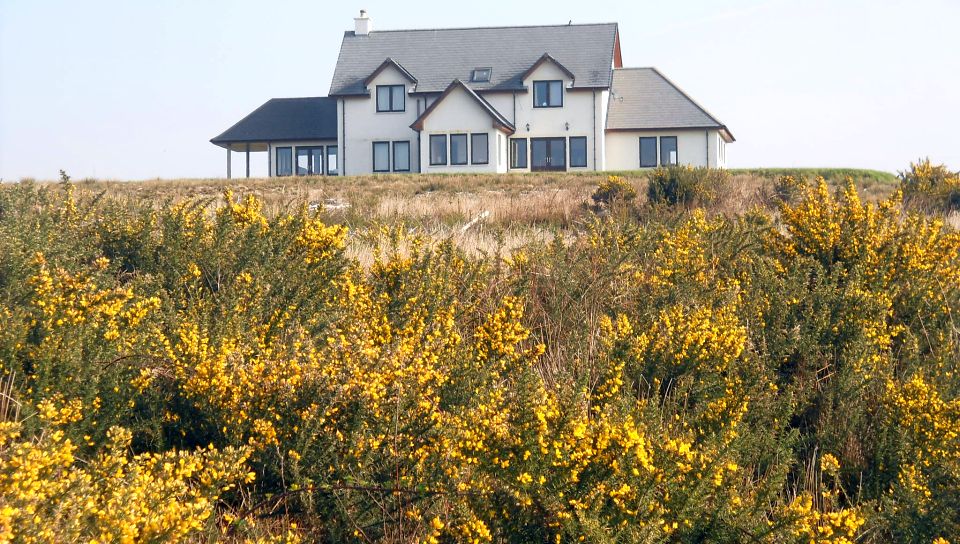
x=479 y=149
x=518 y=152
x=310 y=160
x=458 y=149
x=333 y=165
x=648 y=152
x=284 y=161
x=401 y=156
x=668 y=150
x=578 y=151
x=547 y=94
x=381 y=156
x=390 y=98
x=438 y=149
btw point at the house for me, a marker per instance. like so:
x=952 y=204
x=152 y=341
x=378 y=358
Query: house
x=496 y=100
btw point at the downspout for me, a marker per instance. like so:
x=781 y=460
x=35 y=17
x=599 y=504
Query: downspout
x=706 y=136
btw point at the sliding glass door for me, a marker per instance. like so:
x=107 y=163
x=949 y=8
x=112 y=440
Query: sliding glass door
x=310 y=161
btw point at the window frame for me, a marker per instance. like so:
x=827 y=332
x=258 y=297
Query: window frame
x=513 y=155
x=394 y=146
x=276 y=157
x=676 y=149
x=446 y=149
x=485 y=147
x=475 y=79
x=336 y=153
x=656 y=152
x=548 y=83
x=391 y=92
x=374 y=157
x=570 y=152
x=466 y=149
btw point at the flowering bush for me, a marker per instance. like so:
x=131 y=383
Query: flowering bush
x=193 y=371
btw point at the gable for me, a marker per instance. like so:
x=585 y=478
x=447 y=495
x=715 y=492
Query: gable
x=460 y=102
x=436 y=57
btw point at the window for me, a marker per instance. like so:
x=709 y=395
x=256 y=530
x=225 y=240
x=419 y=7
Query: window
x=668 y=150
x=481 y=75
x=458 y=149
x=648 y=152
x=401 y=156
x=381 y=156
x=333 y=166
x=438 y=149
x=518 y=152
x=578 y=151
x=310 y=161
x=284 y=161
x=390 y=98
x=547 y=94
x=479 y=149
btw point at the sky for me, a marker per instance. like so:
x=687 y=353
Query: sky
x=125 y=89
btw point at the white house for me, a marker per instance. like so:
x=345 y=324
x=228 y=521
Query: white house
x=497 y=100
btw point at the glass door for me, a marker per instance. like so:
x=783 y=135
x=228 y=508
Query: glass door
x=310 y=161
x=548 y=154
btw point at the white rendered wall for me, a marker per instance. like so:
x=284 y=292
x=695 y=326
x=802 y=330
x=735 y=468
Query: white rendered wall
x=365 y=125
x=579 y=110
x=459 y=113
x=695 y=147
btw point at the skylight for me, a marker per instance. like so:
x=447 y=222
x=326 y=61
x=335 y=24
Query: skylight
x=481 y=75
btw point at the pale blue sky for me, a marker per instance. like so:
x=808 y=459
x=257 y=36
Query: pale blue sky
x=135 y=89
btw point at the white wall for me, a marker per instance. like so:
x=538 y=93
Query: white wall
x=695 y=147
x=272 y=149
x=580 y=110
x=364 y=125
x=459 y=113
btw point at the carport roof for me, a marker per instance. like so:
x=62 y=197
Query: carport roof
x=285 y=119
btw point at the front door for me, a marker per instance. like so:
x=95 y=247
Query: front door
x=548 y=154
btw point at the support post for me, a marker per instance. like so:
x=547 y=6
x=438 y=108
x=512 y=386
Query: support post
x=228 y=163
x=248 y=160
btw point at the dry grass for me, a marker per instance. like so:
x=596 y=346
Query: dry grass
x=502 y=211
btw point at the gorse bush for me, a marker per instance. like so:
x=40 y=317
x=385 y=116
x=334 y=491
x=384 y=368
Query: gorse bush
x=187 y=371
x=931 y=186
x=614 y=190
x=686 y=185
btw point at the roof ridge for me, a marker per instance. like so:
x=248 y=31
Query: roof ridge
x=299 y=98
x=483 y=28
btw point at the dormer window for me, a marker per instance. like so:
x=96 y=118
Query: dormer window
x=390 y=98
x=548 y=94
x=481 y=75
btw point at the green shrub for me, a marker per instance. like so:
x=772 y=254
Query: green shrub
x=686 y=185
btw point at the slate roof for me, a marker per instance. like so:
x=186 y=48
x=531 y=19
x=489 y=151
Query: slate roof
x=498 y=117
x=436 y=57
x=644 y=99
x=286 y=119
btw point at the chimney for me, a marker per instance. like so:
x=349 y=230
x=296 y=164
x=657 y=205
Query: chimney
x=362 y=24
